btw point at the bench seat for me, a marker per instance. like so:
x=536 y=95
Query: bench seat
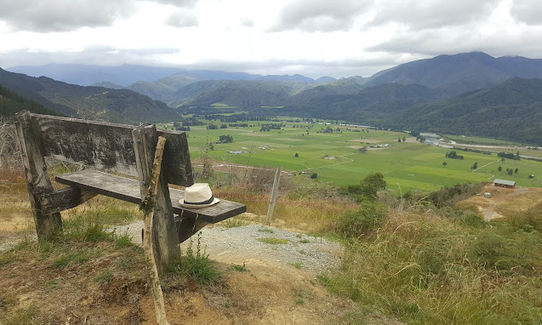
x=127 y=189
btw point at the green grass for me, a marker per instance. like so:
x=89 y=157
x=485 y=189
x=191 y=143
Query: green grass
x=406 y=166
x=195 y=265
x=104 y=277
x=238 y=268
x=427 y=268
x=71 y=258
x=273 y=241
x=233 y=223
x=297 y=265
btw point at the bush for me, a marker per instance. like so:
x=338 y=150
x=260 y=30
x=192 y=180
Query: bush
x=371 y=184
x=359 y=223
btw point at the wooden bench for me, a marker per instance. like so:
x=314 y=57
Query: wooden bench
x=102 y=148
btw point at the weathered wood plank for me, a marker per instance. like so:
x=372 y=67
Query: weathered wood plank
x=109 y=146
x=165 y=238
x=37 y=179
x=127 y=189
x=63 y=199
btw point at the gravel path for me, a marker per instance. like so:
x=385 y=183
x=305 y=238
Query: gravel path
x=244 y=244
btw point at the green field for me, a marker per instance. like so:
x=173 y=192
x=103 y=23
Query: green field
x=335 y=156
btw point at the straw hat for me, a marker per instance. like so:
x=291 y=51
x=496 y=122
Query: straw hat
x=198 y=196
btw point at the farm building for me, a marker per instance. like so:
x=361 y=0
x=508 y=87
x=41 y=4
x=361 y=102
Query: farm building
x=504 y=183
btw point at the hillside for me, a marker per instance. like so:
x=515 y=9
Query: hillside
x=366 y=106
x=11 y=103
x=460 y=73
x=511 y=110
x=117 y=105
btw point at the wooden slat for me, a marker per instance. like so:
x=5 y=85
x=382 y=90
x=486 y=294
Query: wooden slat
x=128 y=190
x=109 y=146
x=63 y=199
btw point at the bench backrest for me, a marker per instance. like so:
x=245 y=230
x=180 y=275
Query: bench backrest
x=109 y=146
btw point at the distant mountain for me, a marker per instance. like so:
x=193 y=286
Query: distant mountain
x=87 y=102
x=85 y=75
x=368 y=105
x=107 y=84
x=344 y=86
x=456 y=74
x=239 y=94
x=511 y=110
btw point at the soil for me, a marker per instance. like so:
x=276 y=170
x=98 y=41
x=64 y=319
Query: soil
x=280 y=285
x=504 y=202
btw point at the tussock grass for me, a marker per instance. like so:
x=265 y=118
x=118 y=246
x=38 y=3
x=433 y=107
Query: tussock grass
x=425 y=267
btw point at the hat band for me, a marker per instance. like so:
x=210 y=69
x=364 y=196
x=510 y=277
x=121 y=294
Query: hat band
x=201 y=203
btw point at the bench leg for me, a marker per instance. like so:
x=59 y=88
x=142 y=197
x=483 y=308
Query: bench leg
x=187 y=227
x=165 y=240
x=37 y=178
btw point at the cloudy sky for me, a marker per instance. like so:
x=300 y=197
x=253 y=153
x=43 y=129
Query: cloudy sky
x=311 y=37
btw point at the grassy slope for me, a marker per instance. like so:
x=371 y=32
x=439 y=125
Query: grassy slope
x=406 y=166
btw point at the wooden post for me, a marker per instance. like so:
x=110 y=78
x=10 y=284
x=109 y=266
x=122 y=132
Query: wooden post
x=165 y=238
x=149 y=201
x=274 y=193
x=37 y=178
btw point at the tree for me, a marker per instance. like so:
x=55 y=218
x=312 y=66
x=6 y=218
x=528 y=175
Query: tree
x=404 y=139
x=296 y=155
x=444 y=164
x=475 y=166
x=399 y=140
x=371 y=184
x=225 y=139
x=500 y=168
x=516 y=171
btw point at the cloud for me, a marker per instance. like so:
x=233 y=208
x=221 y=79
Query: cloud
x=422 y=14
x=434 y=42
x=527 y=11
x=319 y=15
x=182 y=18
x=98 y=55
x=62 y=15
x=178 y=3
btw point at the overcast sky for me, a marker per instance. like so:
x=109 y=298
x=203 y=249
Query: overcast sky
x=312 y=37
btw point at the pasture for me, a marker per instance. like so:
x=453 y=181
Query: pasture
x=336 y=157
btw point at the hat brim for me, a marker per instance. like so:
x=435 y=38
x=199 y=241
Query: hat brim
x=198 y=206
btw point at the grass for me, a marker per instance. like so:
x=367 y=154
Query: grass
x=104 y=277
x=238 y=268
x=233 y=223
x=441 y=267
x=406 y=166
x=195 y=265
x=273 y=241
x=71 y=258
x=297 y=265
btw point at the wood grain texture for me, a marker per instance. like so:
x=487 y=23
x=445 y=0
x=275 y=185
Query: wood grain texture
x=165 y=238
x=109 y=146
x=37 y=178
x=63 y=199
x=127 y=189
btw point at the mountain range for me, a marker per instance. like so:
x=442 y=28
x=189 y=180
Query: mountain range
x=116 y=105
x=468 y=93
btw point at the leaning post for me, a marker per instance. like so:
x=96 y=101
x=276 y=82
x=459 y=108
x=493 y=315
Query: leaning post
x=37 y=178
x=165 y=238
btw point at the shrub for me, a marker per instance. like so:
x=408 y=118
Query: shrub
x=355 y=224
x=371 y=184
